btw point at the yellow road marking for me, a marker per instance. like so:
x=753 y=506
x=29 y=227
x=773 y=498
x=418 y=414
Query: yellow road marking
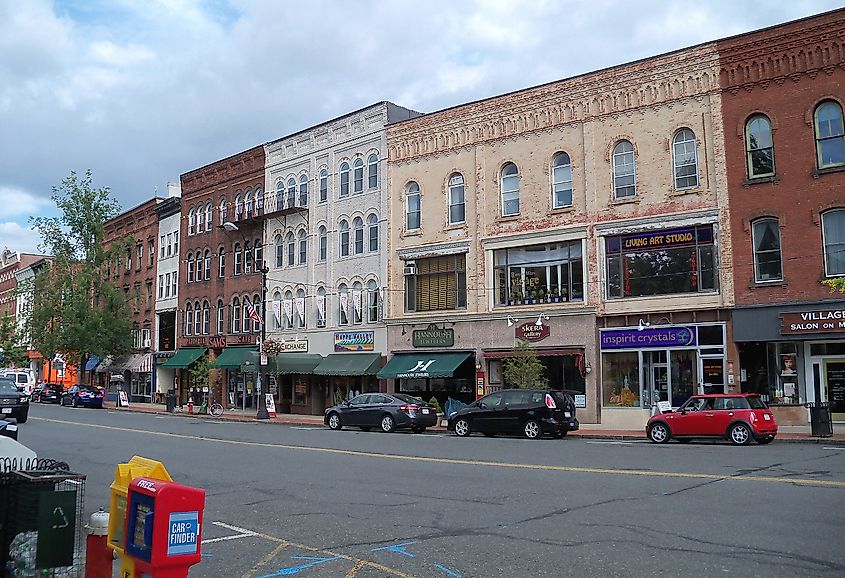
x=265 y=560
x=353 y=572
x=542 y=467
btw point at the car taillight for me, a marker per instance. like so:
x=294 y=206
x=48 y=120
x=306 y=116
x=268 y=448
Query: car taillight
x=550 y=402
x=409 y=408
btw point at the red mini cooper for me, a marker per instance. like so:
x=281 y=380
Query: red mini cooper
x=738 y=418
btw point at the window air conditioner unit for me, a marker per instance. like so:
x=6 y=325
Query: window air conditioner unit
x=410 y=268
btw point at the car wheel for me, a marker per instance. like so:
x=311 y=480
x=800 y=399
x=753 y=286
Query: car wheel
x=765 y=440
x=23 y=417
x=334 y=421
x=658 y=432
x=417 y=429
x=558 y=435
x=462 y=428
x=387 y=424
x=532 y=430
x=365 y=428
x=740 y=434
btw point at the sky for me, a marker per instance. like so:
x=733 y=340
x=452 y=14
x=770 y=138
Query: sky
x=141 y=91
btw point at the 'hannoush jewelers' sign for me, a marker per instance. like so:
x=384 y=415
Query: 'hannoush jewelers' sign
x=433 y=336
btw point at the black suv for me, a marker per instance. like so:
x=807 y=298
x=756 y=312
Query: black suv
x=532 y=412
x=13 y=403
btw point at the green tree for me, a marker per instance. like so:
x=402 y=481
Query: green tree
x=199 y=371
x=524 y=369
x=11 y=343
x=76 y=309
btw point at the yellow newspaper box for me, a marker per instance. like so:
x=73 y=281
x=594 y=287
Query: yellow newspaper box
x=137 y=467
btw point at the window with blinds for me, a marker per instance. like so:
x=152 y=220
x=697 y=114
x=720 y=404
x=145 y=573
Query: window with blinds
x=439 y=283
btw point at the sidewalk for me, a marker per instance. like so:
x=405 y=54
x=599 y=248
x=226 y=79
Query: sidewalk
x=587 y=431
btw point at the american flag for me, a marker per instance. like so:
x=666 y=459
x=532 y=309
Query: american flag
x=252 y=313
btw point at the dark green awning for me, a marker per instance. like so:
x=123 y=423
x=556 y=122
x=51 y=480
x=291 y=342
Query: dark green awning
x=184 y=357
x=302 y=363
x=233 y=357
x=422 y=365
x=349 y=364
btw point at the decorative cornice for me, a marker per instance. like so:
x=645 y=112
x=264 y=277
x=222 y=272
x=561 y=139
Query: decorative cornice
x=433 y=250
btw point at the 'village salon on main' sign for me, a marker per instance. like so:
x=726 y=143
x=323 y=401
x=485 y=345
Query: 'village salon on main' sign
x=822 y=321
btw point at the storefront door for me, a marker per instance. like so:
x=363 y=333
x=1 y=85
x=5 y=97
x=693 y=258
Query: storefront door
x=669 y=376
x=656 y=380
x=684 y=378
x=835 y=382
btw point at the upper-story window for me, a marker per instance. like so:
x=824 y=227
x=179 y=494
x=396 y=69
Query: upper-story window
x=151 y=253
x=323 y=240
x=321 y=306
x=238 y=258
x=190 y=264
x=162 y=245
x=221 y=317
x=197 y=318
x=246 y=309
x=343 y=304
x=279 y=251
x=372 y=227
x=247 y=258
x=510 y=190
x=344 y=179
x=221 y=262
x=224 y=209
x=300 y=308
x=277 y=308
x=200 y=219
x=290 y=197
x=759 y=147
x=358 y=225
x=373 y=302
x=207 y=264
x=624 y=171
x=561 y=181
x=358 y=184
x=259 y=255
x=189 y=318
x=291 y=245
x=436 y=283
x=175 y=244
x=457 y=199
x=830 y=136
x=303 y=247
x=344 y=238
x=357 y=303
x=248 y=203
x=529 y=275
x=372 y=171
x=192 y=221
x=236 y=315
x=198 y=262
x=833 y=234
x=303 y=191
x=259 y=311
x=280 y=195
x=239 y=206
x=412 y=206
x=209 y=220
x=685 y=158
x=206 y=318
x=765 y=235
x=324 y=185
x=259 y=199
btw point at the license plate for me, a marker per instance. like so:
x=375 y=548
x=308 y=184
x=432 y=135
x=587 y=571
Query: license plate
x=425 y=411
x=767 y=417
x=7 y=410
x=567 y=414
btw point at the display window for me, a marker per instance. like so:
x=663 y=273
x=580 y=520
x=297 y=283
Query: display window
x=550 y=273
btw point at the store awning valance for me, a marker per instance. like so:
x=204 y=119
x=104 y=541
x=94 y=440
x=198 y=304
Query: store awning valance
x=119 y=364
x=550 y=352
x=423 y=365
x=92 y=362
x=349 y=364
x=184 y=357
x=233 y=357
x=140 y=363
x=302 y=363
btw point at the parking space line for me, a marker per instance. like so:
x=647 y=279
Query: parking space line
x=265 y=560
x=353 y=572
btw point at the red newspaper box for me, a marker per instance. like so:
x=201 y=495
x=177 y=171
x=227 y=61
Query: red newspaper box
x=163 y=526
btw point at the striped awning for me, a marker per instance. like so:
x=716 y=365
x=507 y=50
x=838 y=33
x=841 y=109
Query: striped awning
x=140 y=363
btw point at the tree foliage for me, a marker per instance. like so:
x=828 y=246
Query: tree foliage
x=524 y=369
x=835 y=284
x=11 y=343
x=199 y=372
x=76 y=308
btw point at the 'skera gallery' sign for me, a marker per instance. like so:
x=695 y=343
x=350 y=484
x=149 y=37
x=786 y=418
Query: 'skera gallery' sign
x=532 y=332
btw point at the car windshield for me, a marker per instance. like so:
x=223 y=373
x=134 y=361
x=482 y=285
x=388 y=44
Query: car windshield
x=756 y=403
x=407 y=398
x=7 y=386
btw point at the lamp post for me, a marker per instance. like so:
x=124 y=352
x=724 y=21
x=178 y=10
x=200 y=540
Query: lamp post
x=262 y=403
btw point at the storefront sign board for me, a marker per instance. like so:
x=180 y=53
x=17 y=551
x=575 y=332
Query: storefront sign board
x=648 y=338
x=650 y=240
x=580 y=400
x=819 y=321
x=300 y=346
x=354 y=341
x=433 y=336
x=532 y=332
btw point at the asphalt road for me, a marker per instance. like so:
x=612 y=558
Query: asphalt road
x=285 y=500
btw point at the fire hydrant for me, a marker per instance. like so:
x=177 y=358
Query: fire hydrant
x=99 y=558
x=190 y=406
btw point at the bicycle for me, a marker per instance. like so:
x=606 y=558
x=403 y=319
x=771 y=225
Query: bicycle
x=215 y=409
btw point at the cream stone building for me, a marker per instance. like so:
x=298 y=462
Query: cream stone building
x=586 y=216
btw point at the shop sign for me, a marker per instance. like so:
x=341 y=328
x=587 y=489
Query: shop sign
x=647 y=338
x=295 y=346
x=532 y=332
x=218 y=342
x=194 y=341
x=822 y=321
x=242 y=339
x=433 y=336
x=354 y=341
x=647 y=241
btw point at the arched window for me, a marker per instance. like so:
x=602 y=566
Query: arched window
x=197 y=318
x=208 y=216
x=200 y=220
x=685 y=159
x=258 y=305
x=624 y=171
x=344 y=304
x=289 y=241
x=289 y=307
x=358 y=224
x=833 y=234
x=321 y=307
x=344 y=179
x=189 y=259
x=358 y=185
x=357 y=306
x=279 y=201
x=221 y=262
x=323 y=241
x=561 y=181
x=198 y=262
x=248 y=203
x=324 y=185
x=189 y=319
x=259 y=199
x=245 y=320
x=299 y=307
x=278 y=251
x=372 y=171
x=765 y=235
x=510 y=190
x=373 y=301
x=207 y=264
x=206 y=318
x=247 y=258
x=239 y=206
x=303 y=191
x=192 y=222
x=457 y=199
x=224 y=210
x=259 y=255
x=759 y=147
x=344 y=238
x=372 y=228
x=277 y=309
x=238 y=258
x=290 y=198
x=236 y=315
x=303 y=247
x=221 y=317
x=412 y=206
x=830 y=135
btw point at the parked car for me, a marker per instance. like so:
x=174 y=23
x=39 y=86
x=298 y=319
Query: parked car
x=13 y=402
x=24 y=379
x=739 y=418
x=388 y=411
x=47 y=393
x=9 y=428
x=532 y=412
x=84 y=395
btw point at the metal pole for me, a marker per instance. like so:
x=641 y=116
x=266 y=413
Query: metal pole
x=262 y=403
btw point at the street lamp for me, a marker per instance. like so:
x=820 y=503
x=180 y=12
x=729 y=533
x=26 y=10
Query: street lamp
x=262 y=403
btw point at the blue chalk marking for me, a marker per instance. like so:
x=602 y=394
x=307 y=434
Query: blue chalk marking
x=448 y=571
x=398 y=548
x=314 y=561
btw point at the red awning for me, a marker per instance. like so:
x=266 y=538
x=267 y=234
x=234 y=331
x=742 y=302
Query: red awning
x=34 y=355
x=549 y=352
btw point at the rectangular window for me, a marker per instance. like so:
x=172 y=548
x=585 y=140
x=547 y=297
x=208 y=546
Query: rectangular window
x=162 y=246
x=176 y=243
x=551 y=273
x=664 y=262
x=161 y=286
x=149 y=303
x=173 y=284
x=167 y=285
x=436 y=283
x=151 y=253
x=324 y=187
x=140 y=250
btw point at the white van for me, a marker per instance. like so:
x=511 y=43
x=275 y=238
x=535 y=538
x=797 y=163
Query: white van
x=23 y=379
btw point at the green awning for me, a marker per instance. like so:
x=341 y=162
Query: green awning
x=422 y=365
x=302 y=363
x=184 y=357
x=349 y=364
x=233 y=357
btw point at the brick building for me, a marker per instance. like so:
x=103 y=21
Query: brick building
x=782 y=109
x=10 y=263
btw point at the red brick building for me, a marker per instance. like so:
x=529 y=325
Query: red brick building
x=783 y=93
x=10 y=263
x=218 y=275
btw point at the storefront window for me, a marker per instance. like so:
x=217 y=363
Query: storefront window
x=621 y=379
x=783 y=359
x=774 y=370
x=550 y=273
x=666 y=262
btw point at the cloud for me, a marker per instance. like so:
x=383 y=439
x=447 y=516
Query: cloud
x=19 y=238
x=15 y=201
